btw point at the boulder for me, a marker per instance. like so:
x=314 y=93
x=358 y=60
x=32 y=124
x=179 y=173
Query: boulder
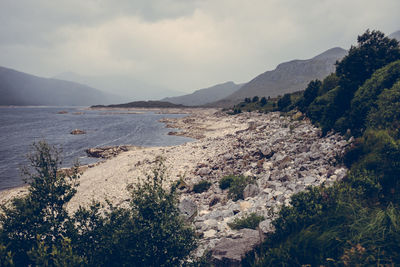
x=188 y=208
x=250 y=190
x=230 y=251
x=204 y=171
x=266 y=152
x=77 y=131
x=106 y=152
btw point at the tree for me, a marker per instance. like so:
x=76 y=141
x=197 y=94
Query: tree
x=310 y=94
x=263 y=101
x=247 y=100
x=150 y=232
x=374 y=50
x=255 y=99
x=284 y=102
x=41 y=215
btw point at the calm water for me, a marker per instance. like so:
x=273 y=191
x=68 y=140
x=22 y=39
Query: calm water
x=21 y=126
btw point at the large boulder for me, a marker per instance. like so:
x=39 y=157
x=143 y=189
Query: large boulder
x=250 y=190
x=188 y=208
x=231 y=251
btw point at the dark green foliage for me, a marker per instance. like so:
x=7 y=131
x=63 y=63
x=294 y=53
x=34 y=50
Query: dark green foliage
x=226 y=181
x=263 y=101
x=201 y=186
x=385 y=114
x=40 y=214
x=236 y=185
x=255 y=99
x=366 y=96
x=329 y=83
x=309 y=94
x=284 y=102
x=37 y=230
x=251 y=221
x=247 y=100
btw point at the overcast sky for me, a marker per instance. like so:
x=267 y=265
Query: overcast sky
x=181 y=44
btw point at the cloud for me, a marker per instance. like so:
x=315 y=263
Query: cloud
x=182 y=44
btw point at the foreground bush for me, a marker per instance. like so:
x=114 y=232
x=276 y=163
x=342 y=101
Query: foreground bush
x=37 y=230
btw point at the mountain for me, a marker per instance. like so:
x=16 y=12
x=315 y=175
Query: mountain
x=125 y=86
x=395 y=35
x=18 y=88
x=287 y=77
x=206 y=95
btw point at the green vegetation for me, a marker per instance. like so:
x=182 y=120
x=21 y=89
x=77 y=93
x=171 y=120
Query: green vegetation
x=37 y=230
x=265 y=105
x=201 y=186
x=356 y=222
x=235 y=185
x=250 y=221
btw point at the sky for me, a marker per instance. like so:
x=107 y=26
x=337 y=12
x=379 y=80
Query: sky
x=180 y=44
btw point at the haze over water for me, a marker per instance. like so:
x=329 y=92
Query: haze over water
x=21 y=126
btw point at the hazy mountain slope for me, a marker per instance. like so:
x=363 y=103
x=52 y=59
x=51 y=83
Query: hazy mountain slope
x=288 y=77
x=206 y=95
x=395 y=35
x=18 y=88
x=125 y=86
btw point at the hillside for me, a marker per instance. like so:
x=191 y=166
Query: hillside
x=18 y=88
x=206 y=95
x=127 y=87
x=288 y=77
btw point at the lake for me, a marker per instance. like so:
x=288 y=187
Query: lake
x=21 y=126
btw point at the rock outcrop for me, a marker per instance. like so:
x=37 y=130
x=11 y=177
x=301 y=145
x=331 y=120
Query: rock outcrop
x=77 y=131
x=106 y=152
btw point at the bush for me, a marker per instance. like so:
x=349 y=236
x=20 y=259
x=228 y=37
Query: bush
x=226 y=181
x=284 y=102
x=37 y=230
x=250 y=221
x=40 y=214
x=201 y=187
x=236 y=185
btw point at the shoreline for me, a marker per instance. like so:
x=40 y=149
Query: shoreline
x=282 y=153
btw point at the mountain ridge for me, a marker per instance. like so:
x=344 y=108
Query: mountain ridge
x=205 y=95
x=20 y=88
x=287 y=77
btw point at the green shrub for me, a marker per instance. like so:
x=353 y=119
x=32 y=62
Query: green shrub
x=201 y=186
x=236 y=185
x=250 y=221
x=226 y=181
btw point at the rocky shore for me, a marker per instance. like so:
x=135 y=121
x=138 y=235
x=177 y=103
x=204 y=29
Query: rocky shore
x=283 y=154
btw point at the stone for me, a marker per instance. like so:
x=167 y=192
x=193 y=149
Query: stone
x=309 y=180
x=77 y=131
x=210 y=233
x=230 y=251
x=250 y=190
x=266 y=152
x=204 y=171
x=188 y=208
x=106 y=152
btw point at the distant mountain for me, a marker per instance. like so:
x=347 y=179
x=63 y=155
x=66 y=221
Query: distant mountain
x=126 y=87
x=143 y=104
x=18 y=88
x=206 y=95
x=287 y=77
x=395 y=35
